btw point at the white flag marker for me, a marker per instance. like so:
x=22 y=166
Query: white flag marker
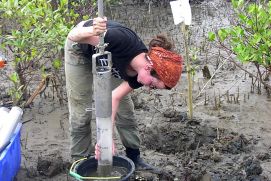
x=181 y=11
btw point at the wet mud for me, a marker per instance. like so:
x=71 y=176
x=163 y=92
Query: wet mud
x=204 y=152
x=225 y=142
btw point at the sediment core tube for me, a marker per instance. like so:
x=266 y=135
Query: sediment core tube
x=104 y=127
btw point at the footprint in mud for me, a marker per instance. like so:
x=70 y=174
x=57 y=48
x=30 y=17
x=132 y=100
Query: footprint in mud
x=252 y=167
x=174 y=115
x=50 y=167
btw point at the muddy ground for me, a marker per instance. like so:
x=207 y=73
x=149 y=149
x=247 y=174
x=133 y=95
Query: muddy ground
x=228 y=138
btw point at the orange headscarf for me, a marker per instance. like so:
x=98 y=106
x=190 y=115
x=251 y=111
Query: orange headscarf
x=167 y=64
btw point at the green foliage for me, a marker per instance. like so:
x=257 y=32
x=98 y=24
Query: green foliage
x=33 y=30
x=237 y=3
x=250 y=38
x=35 y=26
x=57 y=64
x=211 y=36
x=16 y=91
x=193 y=55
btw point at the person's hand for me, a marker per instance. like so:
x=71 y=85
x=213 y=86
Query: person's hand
x=98 y=151
x=99 y=25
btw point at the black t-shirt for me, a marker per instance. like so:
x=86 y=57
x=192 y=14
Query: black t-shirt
x=124 y=45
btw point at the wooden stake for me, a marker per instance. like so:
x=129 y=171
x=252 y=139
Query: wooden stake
x=188 y=68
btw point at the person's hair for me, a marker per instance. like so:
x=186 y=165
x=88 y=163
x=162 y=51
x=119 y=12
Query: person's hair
x=161 y=41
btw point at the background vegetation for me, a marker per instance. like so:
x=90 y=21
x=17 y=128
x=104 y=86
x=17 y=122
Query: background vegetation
x=249 y=38
x=33 y=34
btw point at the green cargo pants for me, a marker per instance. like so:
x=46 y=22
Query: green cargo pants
x=79 y=82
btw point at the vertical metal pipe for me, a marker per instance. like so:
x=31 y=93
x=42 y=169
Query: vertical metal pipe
x=101 y=14
x=101 y=69
x=100 y=8
x=102 y=85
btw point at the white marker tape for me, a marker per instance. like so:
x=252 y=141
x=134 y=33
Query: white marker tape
x=181 y=12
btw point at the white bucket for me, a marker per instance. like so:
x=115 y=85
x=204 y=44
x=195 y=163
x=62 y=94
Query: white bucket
x=9 y=121
x=3 y=115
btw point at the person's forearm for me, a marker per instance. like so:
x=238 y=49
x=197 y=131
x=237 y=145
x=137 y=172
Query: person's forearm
x=79 y=34
x=115 y=105
x=89 y=35
x=117 y=94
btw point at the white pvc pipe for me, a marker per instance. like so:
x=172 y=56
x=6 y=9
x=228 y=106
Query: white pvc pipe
x=104 y=138
x=9 y=122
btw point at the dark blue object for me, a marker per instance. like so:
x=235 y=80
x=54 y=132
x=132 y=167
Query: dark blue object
x=10 y=157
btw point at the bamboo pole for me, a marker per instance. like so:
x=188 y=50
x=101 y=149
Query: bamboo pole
x=185 y=30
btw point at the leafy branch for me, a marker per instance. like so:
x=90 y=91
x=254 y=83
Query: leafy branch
x=250 y=37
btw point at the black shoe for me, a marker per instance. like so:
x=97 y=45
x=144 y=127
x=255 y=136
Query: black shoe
x=141 y=165
x=134 y=155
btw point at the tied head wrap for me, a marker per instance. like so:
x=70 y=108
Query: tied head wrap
x=167 y=65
